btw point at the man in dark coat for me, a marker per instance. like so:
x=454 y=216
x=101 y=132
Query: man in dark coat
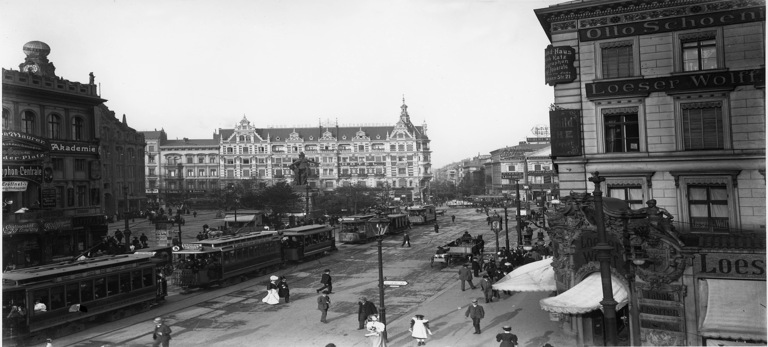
x=437 y=228
x=323 y=304
x=486 y=287
x=119 y=236
x=162 y=334
x=476 y=312
x=465 y=276
x=476 y=267
x=327 y=282
x=365 y=308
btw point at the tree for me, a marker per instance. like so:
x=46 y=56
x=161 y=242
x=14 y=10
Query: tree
x=279 y=197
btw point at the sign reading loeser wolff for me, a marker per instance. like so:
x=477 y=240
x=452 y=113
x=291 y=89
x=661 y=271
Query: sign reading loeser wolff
x=565 y=126
x=736 y=265
x=558 y=65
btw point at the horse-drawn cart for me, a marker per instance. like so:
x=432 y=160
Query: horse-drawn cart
x=453 y=253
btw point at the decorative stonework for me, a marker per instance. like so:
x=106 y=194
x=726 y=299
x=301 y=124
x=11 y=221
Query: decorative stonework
x=327 y=135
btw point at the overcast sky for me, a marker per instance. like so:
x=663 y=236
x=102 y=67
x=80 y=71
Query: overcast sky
x=472 y=70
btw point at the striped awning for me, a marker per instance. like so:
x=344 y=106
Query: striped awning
x=735 y=309
x=241 y=218
x=538 y=276
x=586 y=296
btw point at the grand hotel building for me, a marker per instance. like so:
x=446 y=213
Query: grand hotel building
x=397 y=157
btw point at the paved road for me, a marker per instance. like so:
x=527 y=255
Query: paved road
x=235 y=315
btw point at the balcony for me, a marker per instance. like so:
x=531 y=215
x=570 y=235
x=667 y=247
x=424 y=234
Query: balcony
x=709 y=224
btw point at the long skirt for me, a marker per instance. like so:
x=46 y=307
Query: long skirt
x=271 y=297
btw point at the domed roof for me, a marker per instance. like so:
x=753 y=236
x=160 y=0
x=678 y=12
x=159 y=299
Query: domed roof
x=36 y=49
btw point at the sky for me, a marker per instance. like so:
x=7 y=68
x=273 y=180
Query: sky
x=472 y=70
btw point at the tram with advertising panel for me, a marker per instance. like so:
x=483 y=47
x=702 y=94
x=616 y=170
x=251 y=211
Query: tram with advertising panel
x=225 y=259
x=303 y=242
x=59 y=299
x=422 y=214
x=356 y=229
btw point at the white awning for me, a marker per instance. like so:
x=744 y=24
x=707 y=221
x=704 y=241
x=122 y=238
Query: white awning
x=538 y=276
x=241 y=218
x=586 y=296
x=735 y=309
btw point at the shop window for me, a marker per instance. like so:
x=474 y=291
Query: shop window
x=702 y=125
x=621 y=130
x=617 y=59
x=708 y=207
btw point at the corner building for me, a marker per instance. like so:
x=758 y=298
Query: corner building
x=666 y=100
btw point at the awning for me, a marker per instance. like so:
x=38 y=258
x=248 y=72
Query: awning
x=735 y=309
x=538 y=276
x=586 y=296
x=241 y=218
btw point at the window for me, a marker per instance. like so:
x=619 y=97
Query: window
x=189 y=160
x=190 y=173
x=246 y=173
x=708 y=207
x=699 y=51
x=401 y=171
x=79 y=164
x=201 y=160
x=59 y=196
x=54 y=126
x=245 y=150
x=361 y=148
x=230 y=150
x=246 y=161
x=633 y=195
x=329 y=184
x=6 y=119
x=150 y=148
x=81 y=196
x=617 y=59
x=262 y=172
x=511 y=168
x=77 y=128
x=702 y=125
x=230 y=173
x=201 y=172
x=212 y=160
x=622 y=133
x=28 y=122
x=230 y=161
x=392 y=148
x=213 y=173
x=401 y=148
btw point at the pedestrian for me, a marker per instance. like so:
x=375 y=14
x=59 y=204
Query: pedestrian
x=479 y=244
x=376 y=331
x=453 y=218
x=487 y=287
x=282 y=289
x=406 y=239
x=127 y=234
x=507 y=338
x=323 y=304
x=272 y=298
x=475 y=267
x=365 y=309
x=162 y=334
x=477 y=313
x=119 y=236
x=419 y=329
x=465 y=276
x=327 y=282
x=437 y=228
x=136 y=243
x=143 y=238
x=194 y=214
x=48 y=342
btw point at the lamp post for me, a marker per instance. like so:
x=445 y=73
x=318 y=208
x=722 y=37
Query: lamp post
x=381 y=229
x=517 y=217
x=496 y=228
x=125 y=213
x=604 y=256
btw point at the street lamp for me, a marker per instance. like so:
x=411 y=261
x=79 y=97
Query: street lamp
x=604 y=256
x=125 y=214
x=496 y=228
x=381 y=224
x=517 y=217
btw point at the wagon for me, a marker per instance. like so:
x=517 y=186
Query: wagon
x=457 y=253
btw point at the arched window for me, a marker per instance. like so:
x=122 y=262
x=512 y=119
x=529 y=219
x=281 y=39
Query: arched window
x=28 y=122
x=54 y=126
x=77 y=128
x=6 y=119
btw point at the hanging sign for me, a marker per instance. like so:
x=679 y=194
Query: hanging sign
x=558 y=65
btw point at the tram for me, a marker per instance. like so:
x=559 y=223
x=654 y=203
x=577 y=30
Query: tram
x=218 y=261
x=355 y=229
x=398 y=222
x=59 y=299
x=306 y=241
x=422 y=214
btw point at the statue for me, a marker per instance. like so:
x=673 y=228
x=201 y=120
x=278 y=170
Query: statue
x=300 y=169
x=91 y=78
x=660 y=219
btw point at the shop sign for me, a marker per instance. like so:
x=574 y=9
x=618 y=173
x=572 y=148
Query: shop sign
x=558 y=65
x=584 y=251
x=25 y=228
x=14 y=186
x=667 y=84
x=74 y=147
x=565 y=125
x=151 y=191
x=27 y=172
x=734 y=265
x=48 y=198
x=511 y=175
x=57 y=225
x=755 y=14
x=23 y=147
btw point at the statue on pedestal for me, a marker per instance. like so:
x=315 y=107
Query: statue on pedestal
x=300 y=169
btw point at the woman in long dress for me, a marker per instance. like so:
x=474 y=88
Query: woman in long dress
x=376 y=331
x=272 y=298
x=419 y=329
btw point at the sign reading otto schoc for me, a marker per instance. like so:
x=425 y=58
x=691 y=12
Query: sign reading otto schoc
x=558 y=65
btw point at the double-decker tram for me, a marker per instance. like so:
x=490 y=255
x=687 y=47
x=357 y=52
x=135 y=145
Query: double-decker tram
x=356 y=229
x=59 y=299
x=301 y=243
x=422 y=214
x=221 y=260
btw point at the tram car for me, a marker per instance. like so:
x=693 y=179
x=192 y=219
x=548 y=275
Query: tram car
x=422 y=214
x=301 y=243
x=59 y=299
x=398 y=222
x=225 y=259
x=356 y=229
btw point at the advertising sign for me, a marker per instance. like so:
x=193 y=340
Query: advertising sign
x=48 y=198
x=25 y=172
x=60 y=146
x=565 y=125
x=14 y=186
x=558 y=65
x=23 y=147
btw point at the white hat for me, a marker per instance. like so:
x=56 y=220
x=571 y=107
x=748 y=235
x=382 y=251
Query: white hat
x=273 y=278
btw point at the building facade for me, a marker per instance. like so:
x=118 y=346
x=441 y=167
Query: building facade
x=666 y=101
x=54 y=188
x=123 y=170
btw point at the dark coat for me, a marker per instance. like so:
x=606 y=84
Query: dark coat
x=475 y=311
x=162 y=332
x=326 y=279
x=507 y=339
x=365 y=309
x=283 y=290
x=323 y=302
x=465 y=274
